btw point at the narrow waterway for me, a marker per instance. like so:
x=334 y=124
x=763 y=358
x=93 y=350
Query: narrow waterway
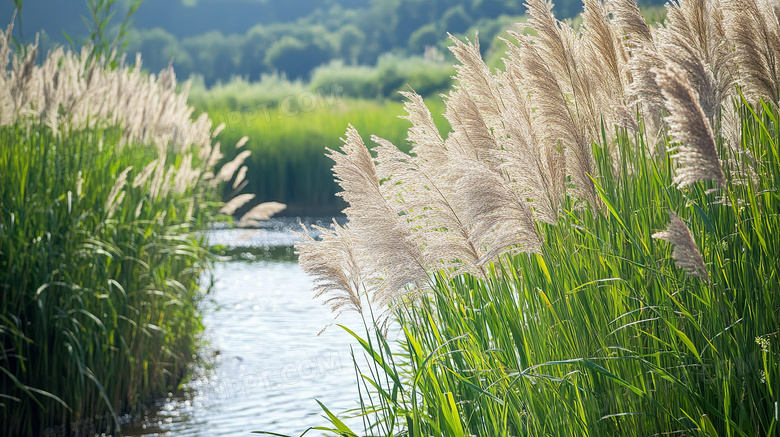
x=269 y=363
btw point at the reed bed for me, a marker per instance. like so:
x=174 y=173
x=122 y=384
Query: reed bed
x=592 y=250
x=105 y=179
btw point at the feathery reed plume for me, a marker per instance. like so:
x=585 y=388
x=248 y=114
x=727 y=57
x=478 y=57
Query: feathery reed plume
x=261 y=212
x=602 y=56
x=474 y=76
x=557 y=121
x=696 y=150
x=186 y=176
x=235 y=203
x=643 y=88
x=383 y=238
x=424 y=136
x=116 y=195
x=240 y=177
x=142 y=177
x=426 y=197
x=490 y=208
x=558 y=45
x=742 y=165
x=498 y=220
x=167 y=184
x=638 y=42
x=605 y=61
x=332 y=263
x=242 y=142
x=754 y=29
x=228 y=170
x=686 y=254
x=694 y=40
x=536 y=166
x=471 y=137
x=629 y=19
x=214 y=156
x=503 y=114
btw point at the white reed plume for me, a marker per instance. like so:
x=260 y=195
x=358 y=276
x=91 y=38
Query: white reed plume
x=186 y=175
x=754 y=28
x=235 y=203
x=333 y=264
x=499 y=221
x=383 y=238
x=240 y=177
x=228 y=170
x=143 y=176
x=558 y=121
x=475 y=77
x=606 y=60
x=259 y=213
x=536 y=167
x=472 y=137
x=686 y=254
x=117 y=194
x=694 y=39
x=475 y=157
x=629 y=19
x=242 y=142
x=424 y=194
x=559 y=46
x=423 y=135
x=696 y=150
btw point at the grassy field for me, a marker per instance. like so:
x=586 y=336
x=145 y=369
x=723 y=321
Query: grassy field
x=288 y=162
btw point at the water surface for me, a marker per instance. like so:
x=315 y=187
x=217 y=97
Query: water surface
x=270 y=365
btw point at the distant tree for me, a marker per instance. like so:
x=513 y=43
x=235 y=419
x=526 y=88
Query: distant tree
x=214 y=55
x=428 y=35
x=456 y=20
x=157 y=46
x=351 y=40
x=493 y=8
x=253 y=51
x=295 y=57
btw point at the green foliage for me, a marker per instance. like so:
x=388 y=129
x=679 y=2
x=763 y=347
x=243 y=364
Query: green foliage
x=101 y=12
x=355 y=32
x=455 y=20
x=428 y=35
x=299 y=58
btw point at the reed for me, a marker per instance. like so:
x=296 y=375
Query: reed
x=649 y=159
x=105 y=181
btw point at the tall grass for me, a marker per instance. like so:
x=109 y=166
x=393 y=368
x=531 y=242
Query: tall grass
x=104 y=181
x=642 y=298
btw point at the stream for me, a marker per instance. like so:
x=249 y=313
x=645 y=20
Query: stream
x=269 y=364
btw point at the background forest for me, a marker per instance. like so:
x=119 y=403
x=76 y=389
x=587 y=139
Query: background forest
x=220 y=39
